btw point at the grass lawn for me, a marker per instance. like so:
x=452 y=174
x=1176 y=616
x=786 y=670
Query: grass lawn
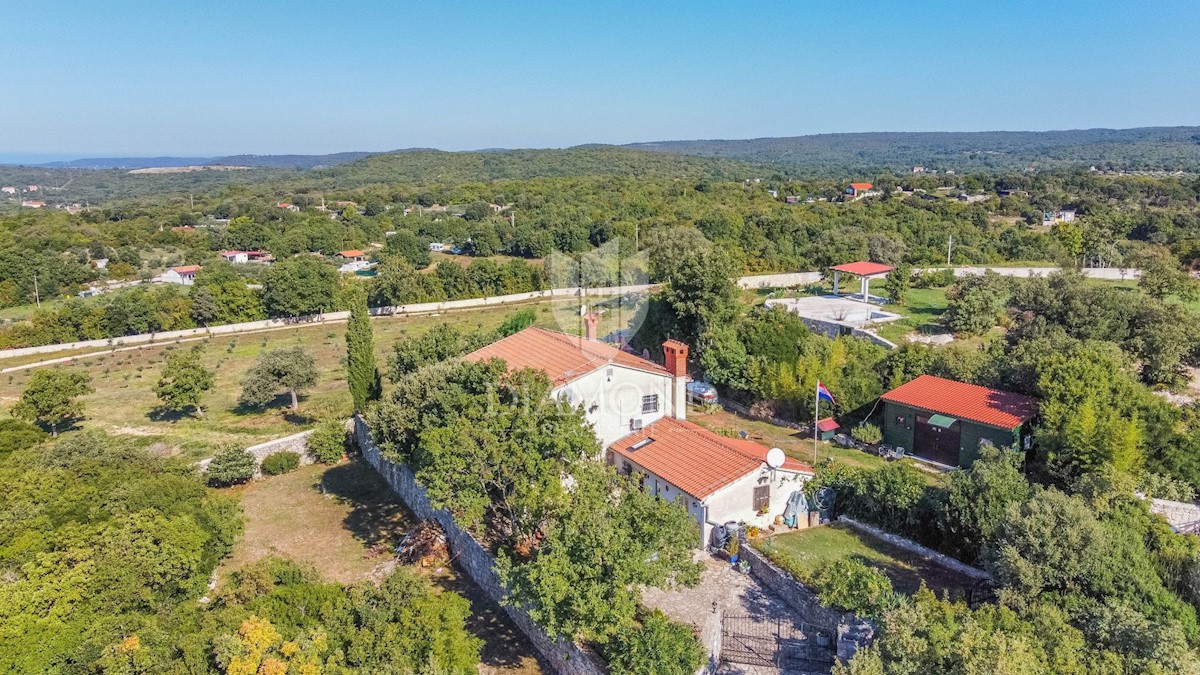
x=795 y=443
x=805 y=552
x=124 y=402
x=328 y=518
x=344 y=522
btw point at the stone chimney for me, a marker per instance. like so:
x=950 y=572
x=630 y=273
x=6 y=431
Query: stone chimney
x=676 y=353
x=591 y=326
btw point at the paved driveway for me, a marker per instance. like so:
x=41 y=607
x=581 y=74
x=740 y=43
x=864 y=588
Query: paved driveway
x=723 y=591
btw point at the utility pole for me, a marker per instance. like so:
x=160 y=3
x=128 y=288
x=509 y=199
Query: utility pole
x=949 y=248
x=36 y=298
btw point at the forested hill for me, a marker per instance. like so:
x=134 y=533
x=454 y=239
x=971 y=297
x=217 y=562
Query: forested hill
x=1147 y=148
x=436 y=167
x=271 y=161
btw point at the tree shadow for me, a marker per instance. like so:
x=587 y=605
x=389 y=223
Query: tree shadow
x=280 y=402
x=376 y=515
x=165 y=415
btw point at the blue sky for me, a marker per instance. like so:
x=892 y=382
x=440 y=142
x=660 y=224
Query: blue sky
x=211 y=77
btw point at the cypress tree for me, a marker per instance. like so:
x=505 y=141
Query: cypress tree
x=362 y=372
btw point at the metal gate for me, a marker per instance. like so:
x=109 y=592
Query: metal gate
x=779 y=643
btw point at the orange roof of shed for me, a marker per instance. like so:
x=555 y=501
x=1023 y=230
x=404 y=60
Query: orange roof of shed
x=863 y=268
x=972 y=402
x=694 y=459
x=562 y=357
x=861 y=186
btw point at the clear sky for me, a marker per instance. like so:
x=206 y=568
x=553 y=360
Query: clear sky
x=212 y=77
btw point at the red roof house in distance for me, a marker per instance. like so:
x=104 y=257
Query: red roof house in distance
x=352 y=255
x=184 y=276
x=857 y=190
x=946 y=421
x=638 y=409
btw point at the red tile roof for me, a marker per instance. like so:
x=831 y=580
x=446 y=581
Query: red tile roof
x=861 y=186
x=187 y=269
x=967 y=401
x=863 y=269
x=562 y=357
x=352 y=253
x=694 y=459
x=826 y=424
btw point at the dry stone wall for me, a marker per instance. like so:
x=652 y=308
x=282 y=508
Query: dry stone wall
x=853 y=633
x=566 y=658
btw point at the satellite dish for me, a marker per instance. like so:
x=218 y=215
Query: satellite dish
x=775 y=458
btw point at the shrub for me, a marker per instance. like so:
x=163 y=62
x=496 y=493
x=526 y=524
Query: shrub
x=867 y=433
x=230 y=466
x=16 y=434
x=327 y=443
x=280 y=462
x=657 y=646
x=854 y=586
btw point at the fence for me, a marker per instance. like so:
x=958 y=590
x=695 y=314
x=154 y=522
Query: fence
x=852 y=633
x=567 y=658
x=324 y=318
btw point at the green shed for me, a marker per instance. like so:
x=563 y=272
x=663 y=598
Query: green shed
x=944 y=421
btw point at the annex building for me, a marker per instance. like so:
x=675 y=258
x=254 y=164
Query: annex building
x=945 y=421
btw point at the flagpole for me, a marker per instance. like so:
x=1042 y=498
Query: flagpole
x=816 y=416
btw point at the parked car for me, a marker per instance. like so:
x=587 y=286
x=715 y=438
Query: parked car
x=701 y=392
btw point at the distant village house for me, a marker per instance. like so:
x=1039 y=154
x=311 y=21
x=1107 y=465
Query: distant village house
x=184 y=276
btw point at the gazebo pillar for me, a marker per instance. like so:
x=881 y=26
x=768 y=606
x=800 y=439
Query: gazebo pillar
x=835 y=282
x=866 y=287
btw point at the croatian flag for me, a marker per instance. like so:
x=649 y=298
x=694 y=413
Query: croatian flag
x=823 y=393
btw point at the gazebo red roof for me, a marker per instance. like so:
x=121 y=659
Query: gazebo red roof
x=863 y=268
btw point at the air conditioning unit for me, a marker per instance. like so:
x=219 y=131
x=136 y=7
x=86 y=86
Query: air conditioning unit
x=635 y=424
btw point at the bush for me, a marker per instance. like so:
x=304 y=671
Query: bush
x=327 y=442
x=230 y=467
x=867 y=433
x=657 y=646
x=280 y=462
x=854 y=586
x=17 y=435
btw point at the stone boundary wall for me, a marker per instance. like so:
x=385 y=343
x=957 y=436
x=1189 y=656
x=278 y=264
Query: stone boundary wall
x=297 y=443
x=853 y=633
x=565 y=657
x=327 y=317
x=924 y=552
x=784 y=280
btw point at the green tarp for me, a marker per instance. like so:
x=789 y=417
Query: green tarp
x=941 y=421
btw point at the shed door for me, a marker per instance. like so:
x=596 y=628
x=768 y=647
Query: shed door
x=936 y=443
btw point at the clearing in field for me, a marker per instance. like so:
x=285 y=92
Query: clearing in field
x=344 y=522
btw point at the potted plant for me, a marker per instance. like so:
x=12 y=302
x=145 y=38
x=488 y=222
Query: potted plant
x=731 y=548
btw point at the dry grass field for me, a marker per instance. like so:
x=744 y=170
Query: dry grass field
x=124 y=402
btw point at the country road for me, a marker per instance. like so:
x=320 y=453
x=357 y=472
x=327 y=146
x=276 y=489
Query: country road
x=781 y=280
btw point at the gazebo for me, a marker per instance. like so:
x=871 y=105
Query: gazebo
x=865 y=271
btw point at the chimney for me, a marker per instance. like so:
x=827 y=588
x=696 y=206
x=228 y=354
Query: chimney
x=591 y=324
x=676 y=353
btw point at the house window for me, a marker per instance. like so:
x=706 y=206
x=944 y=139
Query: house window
x=762 y=498
x=650 y=404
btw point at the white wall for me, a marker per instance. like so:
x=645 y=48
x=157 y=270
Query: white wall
x=733 y=502
x=736 y=500
x=617 y=399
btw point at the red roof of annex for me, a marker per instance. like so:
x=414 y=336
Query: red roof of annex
x=562 y=357
x=972 y=402
x=694 y=459
x=863 y=269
